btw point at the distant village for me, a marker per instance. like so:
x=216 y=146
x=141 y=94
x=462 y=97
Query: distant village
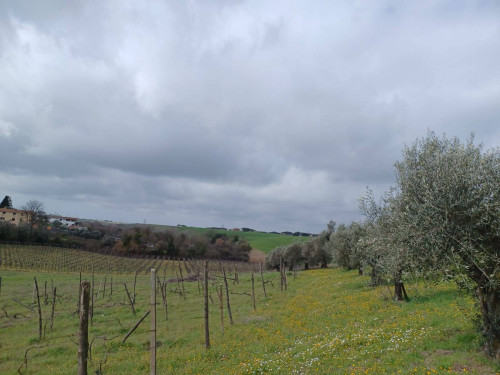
x=18 y=217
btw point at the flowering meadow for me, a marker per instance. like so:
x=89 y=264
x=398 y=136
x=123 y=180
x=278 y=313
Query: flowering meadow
x=328 y=321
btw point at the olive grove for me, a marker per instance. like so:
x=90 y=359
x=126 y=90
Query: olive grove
x=443 y=214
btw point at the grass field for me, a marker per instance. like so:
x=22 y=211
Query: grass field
x=262 y=241
x=327 y=322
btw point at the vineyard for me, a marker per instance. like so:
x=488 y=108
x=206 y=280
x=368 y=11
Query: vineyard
x=119 y=294
x=319 y=322
x=44 y=258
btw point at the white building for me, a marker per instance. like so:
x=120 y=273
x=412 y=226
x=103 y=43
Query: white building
x=65 y=221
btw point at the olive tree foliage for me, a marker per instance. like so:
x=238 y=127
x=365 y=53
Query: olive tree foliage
x=290 y=255
x=344 y=246
x=383 y=245
x=316 y=252
x=445 y=212
x=313 y=252
x=321 y=252
x=293 y=255
x=274 y=258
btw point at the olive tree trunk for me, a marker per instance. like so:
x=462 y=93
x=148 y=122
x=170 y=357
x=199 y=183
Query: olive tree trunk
x=489 y=302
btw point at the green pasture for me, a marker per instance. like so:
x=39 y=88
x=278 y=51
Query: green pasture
x=328 y=321
x=262 y=241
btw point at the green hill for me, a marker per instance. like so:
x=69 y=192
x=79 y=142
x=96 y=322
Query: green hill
x=262 y=241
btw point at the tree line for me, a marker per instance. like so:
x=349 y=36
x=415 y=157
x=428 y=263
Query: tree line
x=134 y=241
x=441 y=219
x=184 y=244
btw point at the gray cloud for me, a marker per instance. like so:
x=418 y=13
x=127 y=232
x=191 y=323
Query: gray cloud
x=271 y=115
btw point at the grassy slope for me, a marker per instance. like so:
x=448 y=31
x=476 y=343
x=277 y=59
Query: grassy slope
x=327 y=322
x=264 y=242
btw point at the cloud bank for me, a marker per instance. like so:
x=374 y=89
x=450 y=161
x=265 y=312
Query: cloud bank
x=275 y=115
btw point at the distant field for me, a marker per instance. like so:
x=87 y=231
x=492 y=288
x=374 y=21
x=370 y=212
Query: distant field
x=264 y=242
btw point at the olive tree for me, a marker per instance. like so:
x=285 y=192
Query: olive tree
x=274 y=258
x=293 y=255
x=309 y=254
x=446 y=212
x=384 y=244
x=321 y=251
x=345 y=248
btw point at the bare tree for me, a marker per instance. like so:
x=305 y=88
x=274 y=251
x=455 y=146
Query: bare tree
x=35 y=212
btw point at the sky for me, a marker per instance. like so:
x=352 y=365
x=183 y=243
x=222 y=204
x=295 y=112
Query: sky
x=273 y=115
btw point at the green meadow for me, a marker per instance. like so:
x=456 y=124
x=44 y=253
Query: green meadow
x=328 y=321
x=262 y=241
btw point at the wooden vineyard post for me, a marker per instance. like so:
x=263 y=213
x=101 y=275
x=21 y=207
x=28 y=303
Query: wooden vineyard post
x=83 y=344
x=104 y=290
x=53 y=308
x=34 y=294
x=253 y=291
x=221 y=307
x=98 y=290
x=135 y=282
x=182 y=280
x=0 y=286
x=92 y=298
x=263 y=282
x=160 y=286
x=163 y=292
x=227 y=297
x=166 y=300
x=152 y=362
x=178 y=284
x=79 y=292
x=198 y=279
x=284 y=283
x=164 y=274
x=285 y=280
x=39 y=311
x=205 y=286
x=281 y=274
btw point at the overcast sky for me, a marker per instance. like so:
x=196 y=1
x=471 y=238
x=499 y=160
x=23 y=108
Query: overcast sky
x=274 y=115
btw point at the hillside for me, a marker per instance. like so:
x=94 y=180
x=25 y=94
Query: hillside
x=262 y=241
